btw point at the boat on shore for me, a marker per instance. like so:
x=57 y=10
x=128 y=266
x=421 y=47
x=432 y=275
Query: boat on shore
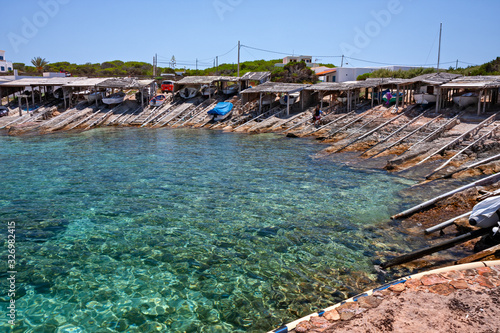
x=293 y=98
x=343 y=97
x=188 y=92
x=424 y=98
x=157 y=100
x=268 y=99
x=221 y=111
x=390 y=98
x=115 y=98
x=230 y=90
x=92 y=97
x=208 y=90
x=425 y=95
x=465 y=99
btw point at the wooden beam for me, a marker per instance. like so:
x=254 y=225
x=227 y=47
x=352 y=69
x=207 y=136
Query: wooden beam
x=435 y=248
x=445 y=224
x=472 y=131
x=483 y=181
x=494 y=250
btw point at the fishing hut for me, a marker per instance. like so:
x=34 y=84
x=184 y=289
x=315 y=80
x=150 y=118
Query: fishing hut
x=473 y=90
x=291 y=94
x=35 y=87
x=254 y=77
x=212 y=83
x=348 y=94
x=426 y=89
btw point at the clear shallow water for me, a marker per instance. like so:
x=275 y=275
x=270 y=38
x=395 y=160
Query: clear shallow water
x=141 y=230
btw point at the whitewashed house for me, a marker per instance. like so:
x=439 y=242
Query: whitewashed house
x=5 y=66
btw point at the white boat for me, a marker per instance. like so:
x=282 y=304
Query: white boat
x=92 y=97
x=293 y=98
x=157 y=100
x=115 y=98
x=230 y=90
x=208 y=90
x=466 y=99
x=343 y=99
x=188 y=92
x=425 y=96
x=268 y=99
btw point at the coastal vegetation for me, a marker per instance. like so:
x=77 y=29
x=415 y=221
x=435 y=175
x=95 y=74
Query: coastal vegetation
x=489 y=68
x=293 y=73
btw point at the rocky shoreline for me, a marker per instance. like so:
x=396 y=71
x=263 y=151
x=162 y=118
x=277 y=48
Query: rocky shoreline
x=454 y=301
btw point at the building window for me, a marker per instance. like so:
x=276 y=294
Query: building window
x=333 y=79
x=2 y=69
x=1 y=57
x=9 y=69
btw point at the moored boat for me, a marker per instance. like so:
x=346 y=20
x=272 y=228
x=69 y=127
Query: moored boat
x=268 y=99
x=465 y=99
x=115 y=98
x=221 y=111
x=157 y=100
x=92 y=97
x=293 y=98
x=425 y=96
x=188 y=92
x=208 y=90
x=230 y=90
x=390 y=98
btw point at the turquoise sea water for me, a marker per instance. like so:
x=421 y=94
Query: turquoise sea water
x=141 y=230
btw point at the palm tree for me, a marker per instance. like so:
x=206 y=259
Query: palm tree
x=39 y=63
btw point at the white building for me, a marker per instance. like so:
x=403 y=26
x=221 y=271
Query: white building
x=5 y=66
x=343 y=74
x=289 y=59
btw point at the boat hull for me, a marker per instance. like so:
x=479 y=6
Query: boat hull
x=91 y=98
x=188 y=93
x=114 y=99
x=464 y=101
x=425 y=98
x=230 y=90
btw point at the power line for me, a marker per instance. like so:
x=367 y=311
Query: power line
x=268 y=51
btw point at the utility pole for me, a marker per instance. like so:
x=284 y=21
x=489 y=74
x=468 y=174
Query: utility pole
x=196 y=64
x=342 y=63
x=439 y=50
x=456 y=66
x=154 y=65
x=217 y=63
x=239 y=58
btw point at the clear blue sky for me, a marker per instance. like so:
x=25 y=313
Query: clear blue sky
x=385 y=31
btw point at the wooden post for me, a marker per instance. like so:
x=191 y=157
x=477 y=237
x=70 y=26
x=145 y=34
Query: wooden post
x=397 y=96
x=485 y=94
x=479 y=103
x=321 y=103
x=33 y=95
x=438 y=97
x=287 y=104
x=373 y=92
x=260 y=103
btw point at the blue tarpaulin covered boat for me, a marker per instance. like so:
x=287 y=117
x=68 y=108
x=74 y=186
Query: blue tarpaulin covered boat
x=221 y=110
